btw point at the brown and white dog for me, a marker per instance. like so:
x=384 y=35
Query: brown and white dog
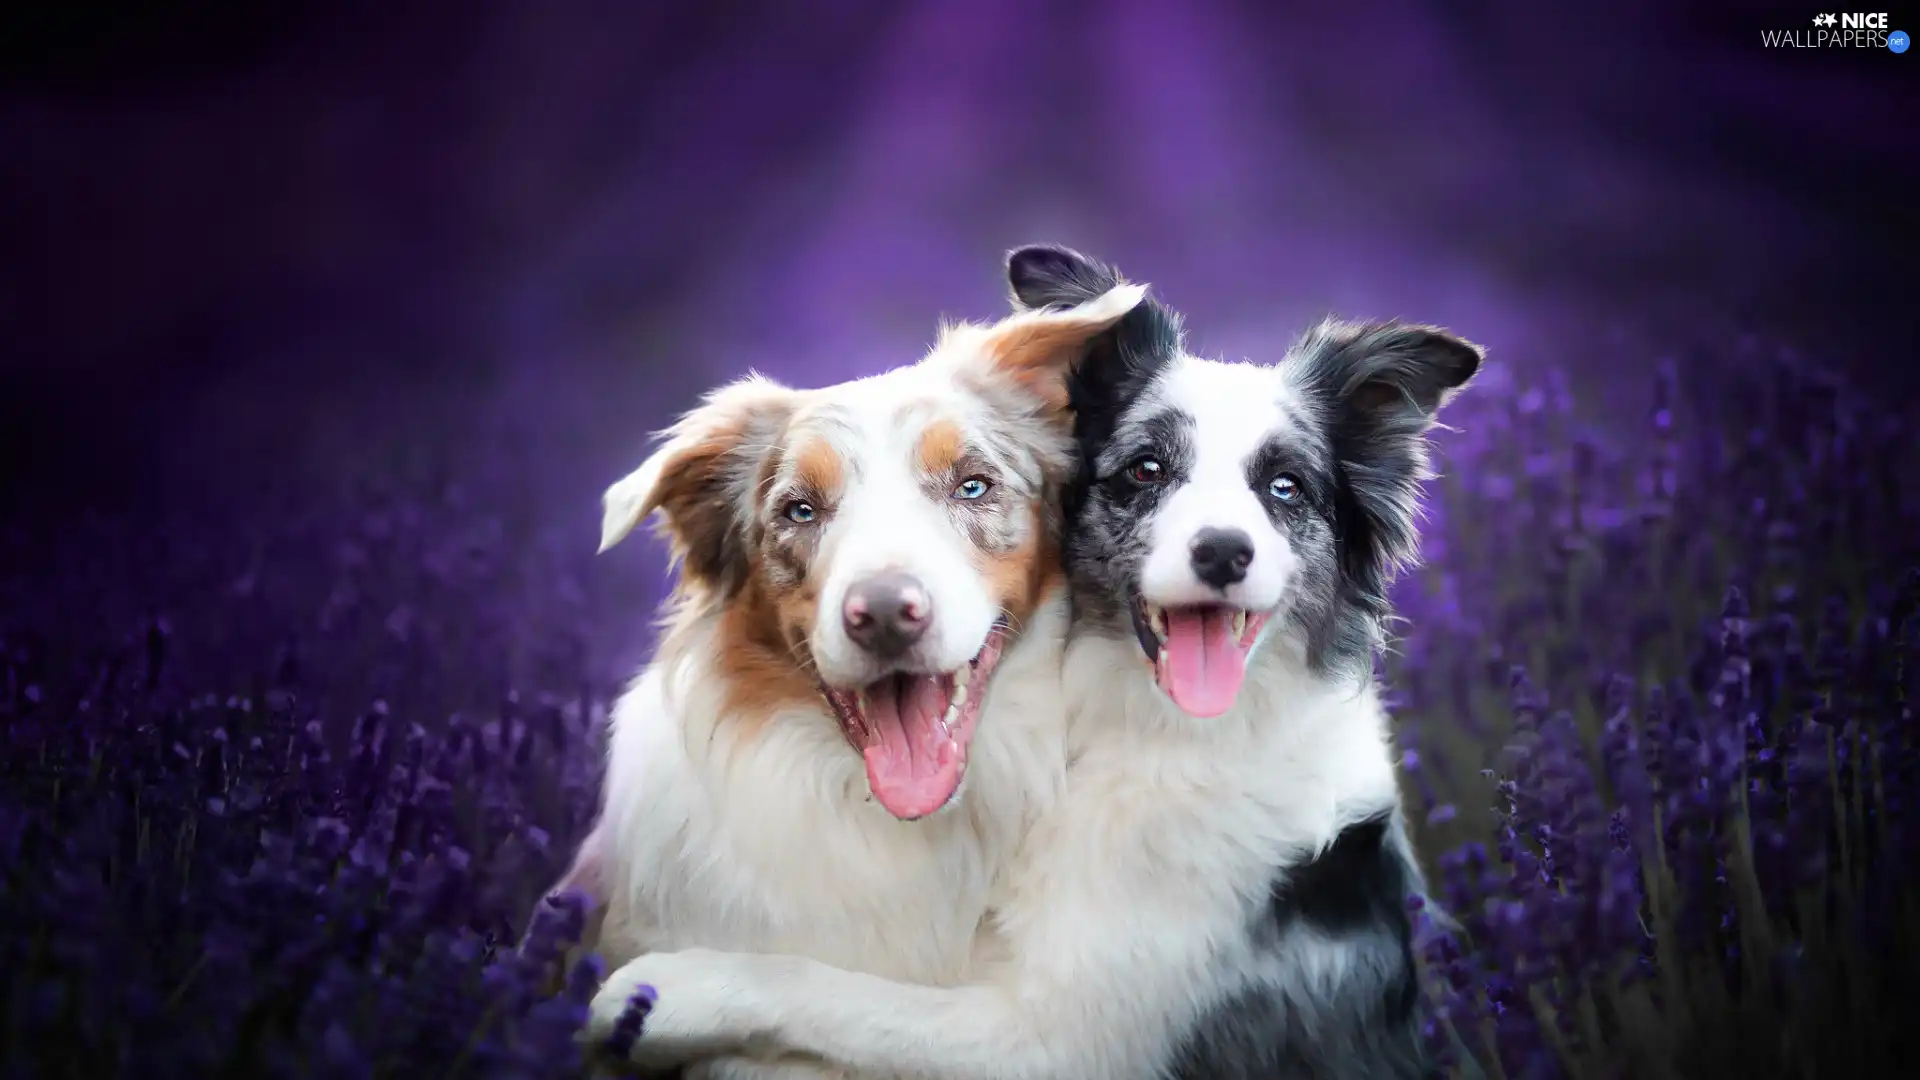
x=1219 y=890
x=870 y=611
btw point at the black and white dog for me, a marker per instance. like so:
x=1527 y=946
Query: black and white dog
x=1221 y=888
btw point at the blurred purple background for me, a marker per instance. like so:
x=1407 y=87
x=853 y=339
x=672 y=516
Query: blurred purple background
x=280 y=246
x=323 y=325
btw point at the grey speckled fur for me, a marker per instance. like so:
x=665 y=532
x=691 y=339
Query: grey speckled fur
x=1338 y=995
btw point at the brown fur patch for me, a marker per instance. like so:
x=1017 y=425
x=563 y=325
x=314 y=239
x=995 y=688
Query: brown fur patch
x=1038 y=356
x=696 y=484
x=761 y=653
x=818 y=468
x=759 y=648
x=699 y=519
x=942 y=445
x=1021 y=577
x=1036 y=349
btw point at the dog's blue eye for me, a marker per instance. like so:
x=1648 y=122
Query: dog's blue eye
x=972 y=488
x=1284 y=487
x=799 y=511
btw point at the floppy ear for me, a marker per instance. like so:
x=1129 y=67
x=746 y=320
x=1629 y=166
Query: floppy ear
x=701 y=478
x=1383 y=383
x=1038 y=349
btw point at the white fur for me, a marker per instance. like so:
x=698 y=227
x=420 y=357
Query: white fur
x=770 y=842
x=774 y=846
x=1234 y=409
x=1123 y=918
x=1126 y=913
x=886 y=521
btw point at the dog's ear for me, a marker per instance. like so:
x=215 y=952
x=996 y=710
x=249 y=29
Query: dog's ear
x=701 y=477
x=1383 y=383
x=1389 y=373
x=1038 y=349
x=1047 y=275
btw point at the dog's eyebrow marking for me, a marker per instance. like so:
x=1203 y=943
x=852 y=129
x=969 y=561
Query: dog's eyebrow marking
x=942 y=446
x=819 y=468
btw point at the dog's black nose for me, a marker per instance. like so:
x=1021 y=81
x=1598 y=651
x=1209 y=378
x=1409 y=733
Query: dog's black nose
x=887 y=613
x=1220 y=556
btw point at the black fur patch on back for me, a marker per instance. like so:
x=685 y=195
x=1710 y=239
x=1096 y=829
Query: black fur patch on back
x=1351 y=897
x=1360 y=882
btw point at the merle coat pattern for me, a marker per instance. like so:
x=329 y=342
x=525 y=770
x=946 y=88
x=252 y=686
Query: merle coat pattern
x=1379 y=386
x=1220 y=886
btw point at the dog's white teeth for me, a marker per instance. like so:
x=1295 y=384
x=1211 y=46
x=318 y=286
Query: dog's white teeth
x=959 y=695
x=1157 y=620
x=860 y=702
x=1239 y=626
x=951 y=718
x=960 y=676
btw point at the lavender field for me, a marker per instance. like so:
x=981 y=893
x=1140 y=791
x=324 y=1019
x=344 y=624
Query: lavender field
x=322 y=344
x=1654 y=693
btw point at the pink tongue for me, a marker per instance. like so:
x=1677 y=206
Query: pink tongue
x=1201 y=665
x=912 y=766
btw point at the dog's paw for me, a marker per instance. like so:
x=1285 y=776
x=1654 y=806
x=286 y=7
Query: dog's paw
x=663 y=1010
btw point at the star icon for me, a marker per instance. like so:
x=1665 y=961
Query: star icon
x=1824 y=20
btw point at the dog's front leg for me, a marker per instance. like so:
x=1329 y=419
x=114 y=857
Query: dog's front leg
x=713 y=1003
x=707 y=1007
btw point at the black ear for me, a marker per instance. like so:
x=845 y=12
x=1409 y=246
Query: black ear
x=1118 y=364
x=1382 y=383
x=1395 y=373
x=1046 y=275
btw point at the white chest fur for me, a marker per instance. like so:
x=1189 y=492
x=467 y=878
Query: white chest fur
x=768 y=842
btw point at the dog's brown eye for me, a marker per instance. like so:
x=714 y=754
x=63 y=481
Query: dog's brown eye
x=800 y=512
x=1146 y=471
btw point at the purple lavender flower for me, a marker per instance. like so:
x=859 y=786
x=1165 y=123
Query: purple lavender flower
x=632 y=1021
x=282 y=789
x=210 y=884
